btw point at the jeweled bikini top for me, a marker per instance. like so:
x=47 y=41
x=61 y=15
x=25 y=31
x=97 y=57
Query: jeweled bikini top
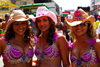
x=49 y=52
x=86 y=59
x=15 y=56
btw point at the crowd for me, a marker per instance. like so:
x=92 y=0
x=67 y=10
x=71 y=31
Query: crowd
x=71 y=43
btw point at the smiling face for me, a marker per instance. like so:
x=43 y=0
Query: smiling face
x=43 y=23
x=81 y=29
x=19 y=27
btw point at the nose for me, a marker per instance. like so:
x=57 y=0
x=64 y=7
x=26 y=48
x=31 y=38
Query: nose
x=42 y=22
x=78 y=26
x=20 y=25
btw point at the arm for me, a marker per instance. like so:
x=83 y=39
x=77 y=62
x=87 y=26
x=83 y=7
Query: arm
x=99 y=36
x=1 y=46
x=64 y=49
x=0 y=27
x=97 y=48
x=62 y=24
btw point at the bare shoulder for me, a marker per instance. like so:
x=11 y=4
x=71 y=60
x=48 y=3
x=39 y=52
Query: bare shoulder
x=2 y=42
x=61 y=40
x=61 y=37
x=97 y=44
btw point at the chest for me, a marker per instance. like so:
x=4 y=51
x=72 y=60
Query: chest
x=18 y=47
x=78 y=51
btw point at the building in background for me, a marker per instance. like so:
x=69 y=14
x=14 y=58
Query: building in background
x=53 y=6
x=23 y=2
x=42 y=1
x=6 y=6
x=95 y=6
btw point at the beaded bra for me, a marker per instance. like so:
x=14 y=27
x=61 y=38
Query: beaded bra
x=86 y=59
x=15 y=56
x=49 y=53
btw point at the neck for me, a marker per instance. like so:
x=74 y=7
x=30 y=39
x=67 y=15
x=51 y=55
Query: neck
x=45 y=34
x=81 y=39
x=18 y=38
x=6 y=21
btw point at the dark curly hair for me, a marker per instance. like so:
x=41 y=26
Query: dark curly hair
x=51 y=32
x=9 y=33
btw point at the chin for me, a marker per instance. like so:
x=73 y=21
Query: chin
x=21 y=34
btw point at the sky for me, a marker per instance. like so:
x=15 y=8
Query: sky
x=72 y=4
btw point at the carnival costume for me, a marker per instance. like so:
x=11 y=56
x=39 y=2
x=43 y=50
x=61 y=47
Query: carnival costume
x=15 y=56
x=87 y=59
x=49 y=53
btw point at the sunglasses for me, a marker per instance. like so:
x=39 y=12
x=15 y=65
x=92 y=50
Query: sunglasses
x=6 y=16
x=82 y=24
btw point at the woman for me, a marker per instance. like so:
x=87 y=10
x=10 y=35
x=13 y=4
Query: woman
x=85 y=50
x=51 y=48
x=16 y=49
x=59 y=25
x=66 y=27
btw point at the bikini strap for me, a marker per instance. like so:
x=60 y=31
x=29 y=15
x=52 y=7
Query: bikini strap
x=8 y=43
x=92 y=42
x=36 y=40
x=55 y=37
x=71 y=45
x=4 y=39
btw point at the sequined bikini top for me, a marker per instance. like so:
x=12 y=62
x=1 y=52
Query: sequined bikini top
x=49 y=53
x=86 y=59
x=15 y=56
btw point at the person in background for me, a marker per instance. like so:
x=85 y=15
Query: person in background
x=1 y=19
x=96 y=15
x=1 y=26
x=15 y=47
x=4 y=24
x=66 y=26
x=59 y=25
x=51 y=47
x=85 y=49
x=98 y=28
x=96 y=24
x=32 y=24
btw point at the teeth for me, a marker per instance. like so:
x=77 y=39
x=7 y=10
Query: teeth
x=78 y=30
x=20 y=30
x=42 y=27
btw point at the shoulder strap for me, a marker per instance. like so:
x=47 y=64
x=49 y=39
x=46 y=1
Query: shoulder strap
x=36 y=39
x=55 y=37
x=71 y=45
x=4 y=39
x=8 y=43
x=92 y=42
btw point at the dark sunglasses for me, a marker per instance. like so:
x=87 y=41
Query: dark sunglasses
x=6 y=16
x=82 y=24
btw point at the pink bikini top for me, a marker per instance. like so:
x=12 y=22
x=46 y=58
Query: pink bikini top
x=15 y=56
x=86 y=59
x=49 y=52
